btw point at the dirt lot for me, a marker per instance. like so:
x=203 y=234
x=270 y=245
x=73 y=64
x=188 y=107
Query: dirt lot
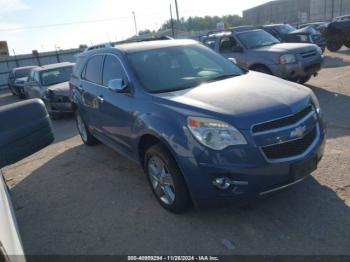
x=71 y=199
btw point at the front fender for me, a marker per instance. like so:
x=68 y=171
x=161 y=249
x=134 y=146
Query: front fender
x=172 y=131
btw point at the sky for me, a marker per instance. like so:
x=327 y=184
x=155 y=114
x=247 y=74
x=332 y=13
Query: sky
x=118 y=24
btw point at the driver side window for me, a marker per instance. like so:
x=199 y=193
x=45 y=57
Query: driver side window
x=228 y=44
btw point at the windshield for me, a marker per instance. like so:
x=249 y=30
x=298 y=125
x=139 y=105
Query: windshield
x=175 y=68
x=22 y=73
x=56 y=76
x=285 y=29
x=256 y=39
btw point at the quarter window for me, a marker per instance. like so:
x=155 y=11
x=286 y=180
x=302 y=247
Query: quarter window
x=93 y=69
x=112 y=69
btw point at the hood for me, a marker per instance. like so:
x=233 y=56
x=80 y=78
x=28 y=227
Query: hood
x=309 y=30
x=293 y=48
x=61 y=89
x=243 y=101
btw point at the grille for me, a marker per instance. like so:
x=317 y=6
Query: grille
x=286 y=121
x=291 y=148
x=308 y=54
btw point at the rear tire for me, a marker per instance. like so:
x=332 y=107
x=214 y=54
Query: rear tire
x=166 y=180
x=86 y=136
x=334 y=45
x=304 y=79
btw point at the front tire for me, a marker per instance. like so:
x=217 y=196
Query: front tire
x=86 y=136
x=166 y=180
x=304 y=79
x=334 y=45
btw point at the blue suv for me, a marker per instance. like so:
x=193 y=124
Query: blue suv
x=206 y=131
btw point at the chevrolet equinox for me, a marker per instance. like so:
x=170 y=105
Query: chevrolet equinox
x=206 y=131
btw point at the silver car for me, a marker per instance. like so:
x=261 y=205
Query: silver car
x=51 y=84
x=262 y=52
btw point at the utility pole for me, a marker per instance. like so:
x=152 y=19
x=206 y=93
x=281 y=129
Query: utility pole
x=135 y=23
x=172 y=21
x=177 y=14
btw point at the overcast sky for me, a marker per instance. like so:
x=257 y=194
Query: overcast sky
x=150 y=14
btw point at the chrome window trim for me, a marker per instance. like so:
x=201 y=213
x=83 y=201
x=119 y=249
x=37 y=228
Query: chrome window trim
x=104 y=57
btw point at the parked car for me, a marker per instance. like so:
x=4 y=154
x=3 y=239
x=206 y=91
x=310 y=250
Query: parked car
x=51 y=84
x=17 y=77
x=337 y=33
x=205 y=130
x=260 y=51
x=26 y=129
x=288 y=34
x=319 y=26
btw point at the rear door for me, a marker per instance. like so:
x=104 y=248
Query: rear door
x=34 y=89
x=115 y=114
x=90 y=81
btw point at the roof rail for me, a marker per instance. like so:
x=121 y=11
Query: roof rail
x=140 y=39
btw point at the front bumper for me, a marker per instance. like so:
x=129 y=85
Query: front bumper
x=254 y=177
x=58 y=107
x=304 y=68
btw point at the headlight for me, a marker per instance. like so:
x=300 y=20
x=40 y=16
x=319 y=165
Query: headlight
x=214 y=134
x=319 y=50
x=314 y=99
x=287 y=59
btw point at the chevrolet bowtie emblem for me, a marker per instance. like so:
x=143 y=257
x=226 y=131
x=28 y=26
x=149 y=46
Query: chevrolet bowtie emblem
x=298 y=132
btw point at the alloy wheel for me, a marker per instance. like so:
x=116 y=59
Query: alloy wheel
x=161 y=180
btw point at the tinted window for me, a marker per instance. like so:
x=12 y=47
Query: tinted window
x=93 y=69
x=180 y=67
x=227 y=44
x=112 y=69
x=22 y=73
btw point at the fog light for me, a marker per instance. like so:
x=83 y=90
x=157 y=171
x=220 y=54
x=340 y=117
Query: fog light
x=222 y=183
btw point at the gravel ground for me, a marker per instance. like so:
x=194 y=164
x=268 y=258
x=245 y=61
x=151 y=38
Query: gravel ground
x=72 y=199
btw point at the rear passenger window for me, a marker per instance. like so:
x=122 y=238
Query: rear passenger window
x=93 y=69
x=112 y=69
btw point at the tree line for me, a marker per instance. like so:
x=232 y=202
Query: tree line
x=198 y=23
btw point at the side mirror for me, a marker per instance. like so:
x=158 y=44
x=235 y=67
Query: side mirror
x=233 y=60
x=25 y=129
x=237 y=49
x=117 y=85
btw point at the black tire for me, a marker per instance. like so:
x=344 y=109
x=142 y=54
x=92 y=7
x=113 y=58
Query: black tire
x=347 y=43
x=21 y=95
x=87 y=138
x=262 y=69
x=304 y=79
x=334 y=45
x=182 y=201
x=56 y=116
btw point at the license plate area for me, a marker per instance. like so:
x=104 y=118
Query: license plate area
x=302 y=169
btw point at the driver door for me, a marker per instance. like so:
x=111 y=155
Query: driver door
x=229 y=47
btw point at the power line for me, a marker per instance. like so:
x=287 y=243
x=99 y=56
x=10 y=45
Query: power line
x=73 y=23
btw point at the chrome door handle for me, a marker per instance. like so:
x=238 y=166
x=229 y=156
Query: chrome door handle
x=100 y=99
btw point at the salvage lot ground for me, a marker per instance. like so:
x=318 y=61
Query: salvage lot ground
x=72 y=199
